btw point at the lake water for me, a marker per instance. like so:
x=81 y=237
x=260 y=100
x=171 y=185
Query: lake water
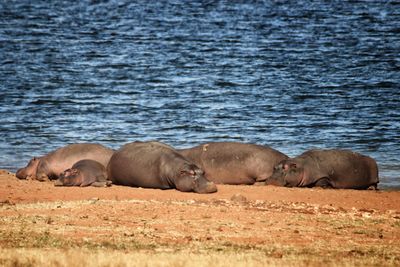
x=293 y=75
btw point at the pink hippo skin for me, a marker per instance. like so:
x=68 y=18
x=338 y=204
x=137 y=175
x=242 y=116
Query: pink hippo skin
x=50 y=166
x=234 y=163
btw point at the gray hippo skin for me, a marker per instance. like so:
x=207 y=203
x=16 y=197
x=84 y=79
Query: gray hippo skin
x=234 y=163
x=50 y=166
x=84 y=173
x=156 y=165
x=327 y=169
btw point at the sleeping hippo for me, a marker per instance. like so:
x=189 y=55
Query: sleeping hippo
x=51 y=165
x=327 y=169
x=234 y=163
x=84 y=173
x=156 y=165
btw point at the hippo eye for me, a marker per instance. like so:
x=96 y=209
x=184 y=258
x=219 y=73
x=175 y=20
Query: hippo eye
x=185 y=172
x=188 y=172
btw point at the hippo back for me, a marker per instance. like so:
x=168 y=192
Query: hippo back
x=143 y=164
x=234 y=162
x=63 y=158
x=344 y=168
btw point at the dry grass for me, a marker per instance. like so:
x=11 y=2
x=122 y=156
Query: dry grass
x=30 y=257
x=195 y=233
x=284 y=256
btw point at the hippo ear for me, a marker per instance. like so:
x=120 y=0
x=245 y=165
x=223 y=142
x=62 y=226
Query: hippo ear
x=278 y=167
x=285 y=167
x=74 y=172
x=289 y=166
x=65 y=173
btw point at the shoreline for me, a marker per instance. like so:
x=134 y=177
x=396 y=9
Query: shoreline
x=14 y=190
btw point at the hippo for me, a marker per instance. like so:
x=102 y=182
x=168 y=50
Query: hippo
x=156 y=165
x=84 y=173
x=330 y=168
x=49 y=166
x=233 y=162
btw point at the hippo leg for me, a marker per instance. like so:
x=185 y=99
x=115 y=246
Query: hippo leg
x=373 y=187
x=261 y=178
x=42 y=177
x=101 y=184
x=324 y=183
x=86 y=181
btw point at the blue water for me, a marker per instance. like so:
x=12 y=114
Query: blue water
x=294 y=75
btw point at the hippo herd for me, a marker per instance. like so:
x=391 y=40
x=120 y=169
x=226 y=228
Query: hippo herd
x=198 y=169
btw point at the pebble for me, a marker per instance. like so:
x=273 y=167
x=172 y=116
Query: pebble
x=238 y=198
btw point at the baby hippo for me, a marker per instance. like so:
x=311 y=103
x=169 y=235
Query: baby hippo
x=328 y=169
x=84 y=173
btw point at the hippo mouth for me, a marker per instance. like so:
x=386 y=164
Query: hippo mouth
x=21 y=176
x=209 y=187
x=202 y=186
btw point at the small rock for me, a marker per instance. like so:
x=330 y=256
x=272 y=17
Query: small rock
x=49 y=220
x=238 y=198
x=189 y=238
x=94 y=200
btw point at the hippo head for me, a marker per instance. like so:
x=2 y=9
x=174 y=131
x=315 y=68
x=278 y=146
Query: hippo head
x=29 y=172
x=70 y=177
x=287 y=173
x=191 y=178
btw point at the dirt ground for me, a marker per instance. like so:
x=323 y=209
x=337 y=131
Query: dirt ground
x=237 y=226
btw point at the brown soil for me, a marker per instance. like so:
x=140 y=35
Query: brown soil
x=14 y=190
x=277 y=221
